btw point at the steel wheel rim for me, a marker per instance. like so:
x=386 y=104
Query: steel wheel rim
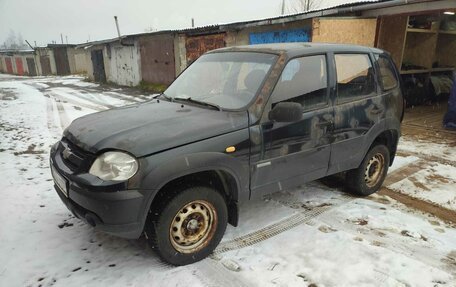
x=193 y=226
x=374 y=170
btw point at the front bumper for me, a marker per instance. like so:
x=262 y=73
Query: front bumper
x=107 y=208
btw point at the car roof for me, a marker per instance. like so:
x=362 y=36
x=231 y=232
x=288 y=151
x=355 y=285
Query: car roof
x=299 y=48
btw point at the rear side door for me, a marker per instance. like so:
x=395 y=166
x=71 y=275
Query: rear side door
x=295 y=152
x=359 y=110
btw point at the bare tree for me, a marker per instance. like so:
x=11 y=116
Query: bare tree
x=298 y=6
x=14 y=41
x=20 y=41
x=150 y=29
x=10 y=41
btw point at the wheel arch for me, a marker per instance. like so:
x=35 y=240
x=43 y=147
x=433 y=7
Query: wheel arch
x=220 y=179
x=390 y=139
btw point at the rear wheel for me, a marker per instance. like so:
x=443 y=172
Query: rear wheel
x=369 y=176
x=188 y=225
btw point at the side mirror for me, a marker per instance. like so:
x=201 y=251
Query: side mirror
x=286 y=112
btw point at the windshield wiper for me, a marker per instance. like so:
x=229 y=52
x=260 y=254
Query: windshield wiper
x=162 y=95
x=190 y=100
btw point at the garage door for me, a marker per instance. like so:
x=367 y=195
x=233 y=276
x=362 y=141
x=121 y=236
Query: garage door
x=9 y=65
x=31 y=66
x=61 y=61
x=157 y=59
x=19 y=66
x=45 y=65
x=198 y=45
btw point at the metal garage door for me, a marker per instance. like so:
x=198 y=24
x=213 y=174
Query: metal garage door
x=19 y=66
x=157 y=59
x=31 y=66
x=9 y=65
x=45 y=65
x=61 y=61
x=198 y=45
x=99 y=73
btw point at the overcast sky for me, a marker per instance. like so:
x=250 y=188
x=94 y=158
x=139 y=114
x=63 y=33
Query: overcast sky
x=43 y=20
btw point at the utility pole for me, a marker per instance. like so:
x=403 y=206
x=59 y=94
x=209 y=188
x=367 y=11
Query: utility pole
x=193 y=22
x=117 y=26
x=118 y=34
x=66 y=38
x=61 y=37
x=283 y=7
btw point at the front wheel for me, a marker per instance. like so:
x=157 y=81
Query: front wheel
x=369 y=176
x=188 y=225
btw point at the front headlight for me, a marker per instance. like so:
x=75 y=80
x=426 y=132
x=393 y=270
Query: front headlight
x=114 y=165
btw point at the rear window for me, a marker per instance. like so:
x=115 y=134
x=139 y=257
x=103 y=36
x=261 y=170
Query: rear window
x=355 y=76
x=388 y=78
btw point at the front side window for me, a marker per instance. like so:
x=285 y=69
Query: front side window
x=387 y=77
x=229 y=80
x=304 y=81
x=355 y=76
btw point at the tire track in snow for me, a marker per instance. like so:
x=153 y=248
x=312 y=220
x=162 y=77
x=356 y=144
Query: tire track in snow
x=281 y=226
x=51 y=122
x=64 y=119
x=133 y=99
x=405 y=172
x=93 y=99
x=77 y=103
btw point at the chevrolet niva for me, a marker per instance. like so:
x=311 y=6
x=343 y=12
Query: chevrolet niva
x=238 y=123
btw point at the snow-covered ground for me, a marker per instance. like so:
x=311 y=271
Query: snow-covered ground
x=435 y=183
x=313 y=235
x=422 y=147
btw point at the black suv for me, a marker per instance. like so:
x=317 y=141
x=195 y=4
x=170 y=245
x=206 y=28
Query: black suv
x=238 y=123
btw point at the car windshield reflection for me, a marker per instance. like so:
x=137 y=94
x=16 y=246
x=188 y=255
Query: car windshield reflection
x=227 y=80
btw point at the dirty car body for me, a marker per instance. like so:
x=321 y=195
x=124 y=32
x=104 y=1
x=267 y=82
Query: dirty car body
x=299 y=112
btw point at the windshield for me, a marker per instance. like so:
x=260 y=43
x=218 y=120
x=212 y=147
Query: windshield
x=226 y=80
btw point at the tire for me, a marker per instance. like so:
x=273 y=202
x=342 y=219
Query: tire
x=369 y=176
x=188 y=225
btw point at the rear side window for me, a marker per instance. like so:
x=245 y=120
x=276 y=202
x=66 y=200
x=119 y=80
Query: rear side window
x=387 y=76
x=304 y=81
x=355 y=76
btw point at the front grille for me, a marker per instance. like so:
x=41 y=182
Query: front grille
x=74 y=157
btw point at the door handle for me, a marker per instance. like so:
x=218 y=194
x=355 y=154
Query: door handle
x=328 y=124
x=376 y=111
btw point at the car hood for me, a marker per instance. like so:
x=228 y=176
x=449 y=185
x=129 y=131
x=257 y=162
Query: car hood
x=151 y=127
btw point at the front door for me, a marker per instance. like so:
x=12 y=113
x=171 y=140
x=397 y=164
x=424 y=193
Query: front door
x=358 y=111
x=295 y=152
